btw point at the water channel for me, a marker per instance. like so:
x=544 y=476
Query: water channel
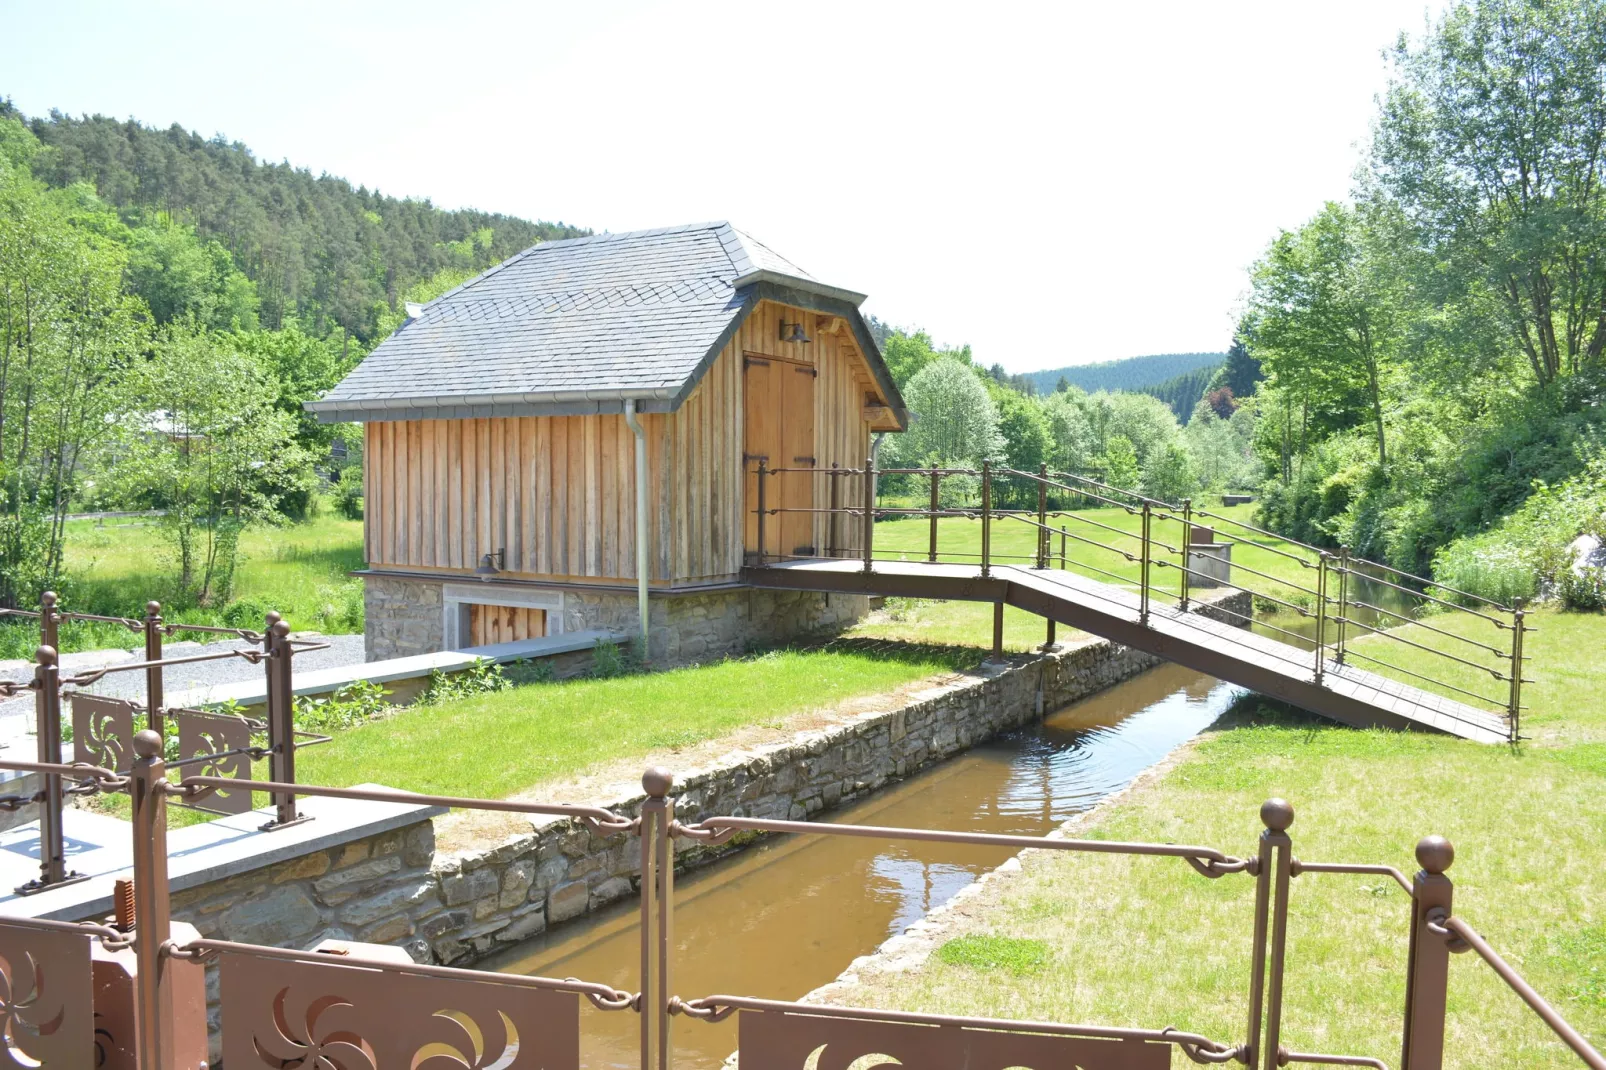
x=788 y=915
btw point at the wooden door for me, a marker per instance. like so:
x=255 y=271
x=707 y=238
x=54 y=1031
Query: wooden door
x=504 y=624
x=778 y=414
x=797 y=439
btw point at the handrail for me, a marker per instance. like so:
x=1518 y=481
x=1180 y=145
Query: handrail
x=1558 y=1025
x=1153 y=552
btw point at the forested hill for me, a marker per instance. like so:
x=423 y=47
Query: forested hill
x=331 y=255
x=1131 y=373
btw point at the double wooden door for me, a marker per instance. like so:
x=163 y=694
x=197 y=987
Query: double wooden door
x=778 y=410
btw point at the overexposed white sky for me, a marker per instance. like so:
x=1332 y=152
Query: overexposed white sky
x=1054 y=184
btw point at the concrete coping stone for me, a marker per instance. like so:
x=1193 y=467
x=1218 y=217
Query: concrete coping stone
x=102 y=846
x=417 y=666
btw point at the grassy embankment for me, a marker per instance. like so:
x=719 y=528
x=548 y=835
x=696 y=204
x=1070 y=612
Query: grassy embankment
x=116 y=567
x=1139 y=941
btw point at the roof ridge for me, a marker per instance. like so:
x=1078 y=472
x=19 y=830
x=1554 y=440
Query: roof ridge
x=651 y=232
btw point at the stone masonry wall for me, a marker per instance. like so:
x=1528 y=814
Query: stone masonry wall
x=404 y=618
x=396 y=889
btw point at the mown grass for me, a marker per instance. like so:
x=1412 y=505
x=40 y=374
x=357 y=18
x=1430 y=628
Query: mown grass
x=1146 y=942
x=498 y=744
x=116 y=567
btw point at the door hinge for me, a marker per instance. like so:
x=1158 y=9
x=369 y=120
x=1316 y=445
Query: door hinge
x=748 y=362
x=749 y=458
x=810 y=460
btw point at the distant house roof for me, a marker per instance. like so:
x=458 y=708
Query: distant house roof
x=581 y=325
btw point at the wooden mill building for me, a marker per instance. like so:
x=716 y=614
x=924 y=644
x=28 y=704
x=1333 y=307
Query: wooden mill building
x=561 y=442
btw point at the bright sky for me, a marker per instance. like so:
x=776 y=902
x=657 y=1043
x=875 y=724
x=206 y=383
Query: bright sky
x=1053 y=184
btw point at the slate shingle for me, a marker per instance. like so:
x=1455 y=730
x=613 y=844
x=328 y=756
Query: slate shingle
x=630 y=312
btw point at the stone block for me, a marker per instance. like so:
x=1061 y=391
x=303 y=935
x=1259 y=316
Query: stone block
x=468 y=887
x=418 y=846
x=438 y=925
x=608 y=891
x=411 y=895
x=283 y=917
x=303 y=868
x=523 y=927
x=567 y=901
x=389 y=931
x=344 y=884
x=516 y=882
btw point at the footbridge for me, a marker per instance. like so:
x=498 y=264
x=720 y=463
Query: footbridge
x=1352 y=640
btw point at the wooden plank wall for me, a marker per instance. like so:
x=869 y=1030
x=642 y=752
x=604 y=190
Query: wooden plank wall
x=558 y=492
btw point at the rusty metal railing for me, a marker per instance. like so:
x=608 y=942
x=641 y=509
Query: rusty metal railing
x=1326 y=592
x=392 y=1007
x=103 y=728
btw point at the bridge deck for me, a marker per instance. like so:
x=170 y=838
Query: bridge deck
x=1269 y=666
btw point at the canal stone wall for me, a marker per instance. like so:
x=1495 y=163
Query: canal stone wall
x=397 y=888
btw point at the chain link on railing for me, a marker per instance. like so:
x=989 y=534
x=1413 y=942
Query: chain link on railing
x=1331 y=605
x=773 y=1032
x=113 y=737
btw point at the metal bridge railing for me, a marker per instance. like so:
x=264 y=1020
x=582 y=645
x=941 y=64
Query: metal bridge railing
x=103 y=728
x=1336 y=597
x=391 y=1008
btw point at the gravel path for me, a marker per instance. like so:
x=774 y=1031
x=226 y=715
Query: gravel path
x=17 y=714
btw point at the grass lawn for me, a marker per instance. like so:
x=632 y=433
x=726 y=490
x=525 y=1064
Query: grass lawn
x=1145 y=942
x=970 y=624
x=497 y=744
x=298 y=569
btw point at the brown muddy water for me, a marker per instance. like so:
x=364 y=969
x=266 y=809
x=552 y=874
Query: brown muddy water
x=788 y=915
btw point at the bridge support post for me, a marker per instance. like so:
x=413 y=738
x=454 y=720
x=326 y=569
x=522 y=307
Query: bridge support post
x=1514 y=712
x=1143 y=569
x=869 y=512
x=1428 y=961
x=1343 y=603
x=1321 y=615
x=1187 y=549
x=1050 y=643
x=762 y=472
x=998 y=634
x=986 y=518
x=1042 y=516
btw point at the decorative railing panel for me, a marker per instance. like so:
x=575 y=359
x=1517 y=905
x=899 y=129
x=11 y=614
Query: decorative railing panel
x=102 y=730
x=212 y=744
x=280 y=1013
x=771 y=1040
x=46 y=993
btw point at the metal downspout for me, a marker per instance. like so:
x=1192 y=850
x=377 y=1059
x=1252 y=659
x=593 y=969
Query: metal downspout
x=641 y=519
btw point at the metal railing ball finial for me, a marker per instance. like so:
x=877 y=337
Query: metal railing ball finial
x=1277 y=814
x=147 y=744
x=1435 y=854
x=48 y=599
x=153 y=609
x=45 y=655
x=657 y=781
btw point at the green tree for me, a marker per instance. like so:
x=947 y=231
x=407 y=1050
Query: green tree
x=66 y=331
x=1327 y=310
x=908 y=353
x=1028 y=441
x=956 y=422
x=179 y=276
x=1490 y=139
x=209 y=445
x=1119 y=464
x=1071 y=434
x=1170 y=474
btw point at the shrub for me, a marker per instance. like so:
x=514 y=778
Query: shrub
x=608 y=659
x=247 y=612
x=483 y=677
x=348 y=496
x=1584 y=589
x=353 y=704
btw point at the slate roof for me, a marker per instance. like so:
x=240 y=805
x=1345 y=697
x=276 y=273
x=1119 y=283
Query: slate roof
x=580 y=325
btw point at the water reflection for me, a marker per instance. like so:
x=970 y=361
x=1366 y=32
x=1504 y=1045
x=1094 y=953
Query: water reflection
x=787 y=916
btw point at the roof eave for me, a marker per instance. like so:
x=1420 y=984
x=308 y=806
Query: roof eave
x=796 y=282
x=342 y=410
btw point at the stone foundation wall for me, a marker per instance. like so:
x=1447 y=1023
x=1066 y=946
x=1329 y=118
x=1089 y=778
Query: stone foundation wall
x=406 y=617
x=403 y=617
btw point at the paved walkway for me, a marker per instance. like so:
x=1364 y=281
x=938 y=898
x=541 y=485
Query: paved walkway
x=17 y=714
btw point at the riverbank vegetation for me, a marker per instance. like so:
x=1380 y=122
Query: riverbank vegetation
x=1433 y=348
x=1147 y=942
